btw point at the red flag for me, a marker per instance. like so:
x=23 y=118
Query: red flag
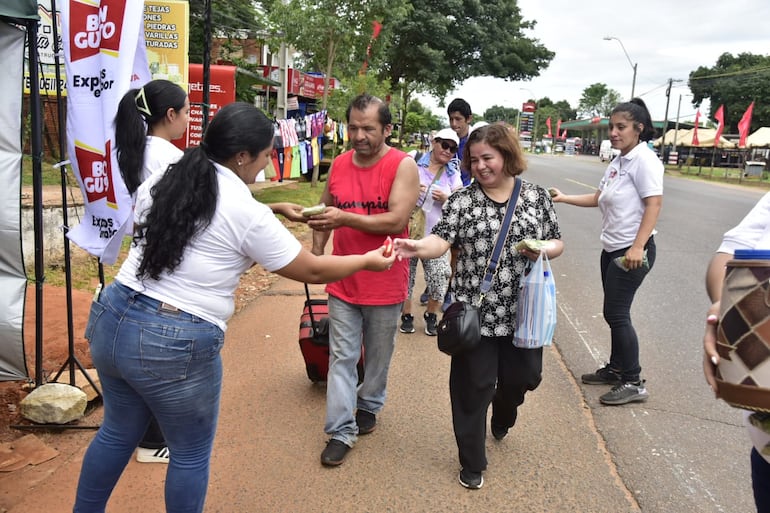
x=376 y=27
x=564 y=133
x=720 y=117
x=695 y=141
x=548 y=124
x=558 y=128
x=744 y=125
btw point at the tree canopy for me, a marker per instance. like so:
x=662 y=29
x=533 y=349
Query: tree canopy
x=437 y=44
x=735 y=82
x=598 y=100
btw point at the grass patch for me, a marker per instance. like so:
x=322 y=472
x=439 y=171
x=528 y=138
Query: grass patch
x=301 y=193
x=50 y=175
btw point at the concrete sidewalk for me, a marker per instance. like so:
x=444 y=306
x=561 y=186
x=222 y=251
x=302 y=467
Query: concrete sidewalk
x=270 y=437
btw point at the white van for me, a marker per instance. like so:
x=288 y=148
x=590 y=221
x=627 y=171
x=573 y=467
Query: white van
x=606 y=151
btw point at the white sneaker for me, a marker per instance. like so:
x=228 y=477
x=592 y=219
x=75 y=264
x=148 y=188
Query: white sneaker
x=161 y=455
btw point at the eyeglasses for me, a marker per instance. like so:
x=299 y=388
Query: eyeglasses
x=445 y=145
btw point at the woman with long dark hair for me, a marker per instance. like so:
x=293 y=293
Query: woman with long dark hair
x=629 y=196
x=148 y=119
x=156 y=332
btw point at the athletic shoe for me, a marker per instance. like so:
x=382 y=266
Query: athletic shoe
x=499 y=432
x=603 y=376
x=407 y=324
x=448 y=300
x=334 y=453
x=431 y=324
x=367 y=422
x=624 y=393
x=144 y=455
x=471 y=480
x=424 y=297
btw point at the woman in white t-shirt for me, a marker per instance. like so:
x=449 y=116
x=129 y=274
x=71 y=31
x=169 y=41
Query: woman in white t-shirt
x=156 y=332
x=629 y=197
x=147 y=120
x=753 y=232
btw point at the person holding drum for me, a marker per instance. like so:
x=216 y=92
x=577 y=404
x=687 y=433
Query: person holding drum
x=753 y=232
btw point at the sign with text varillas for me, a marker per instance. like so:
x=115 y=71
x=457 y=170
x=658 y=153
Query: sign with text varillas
x=104 y=56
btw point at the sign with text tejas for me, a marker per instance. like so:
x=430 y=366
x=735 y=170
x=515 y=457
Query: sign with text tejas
x=166 y=37
x=104 y=56
x=221 y=92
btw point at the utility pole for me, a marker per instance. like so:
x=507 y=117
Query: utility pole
x=665 y=120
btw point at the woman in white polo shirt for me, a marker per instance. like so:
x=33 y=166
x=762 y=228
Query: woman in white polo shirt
x=156 y=332
x=629 y=197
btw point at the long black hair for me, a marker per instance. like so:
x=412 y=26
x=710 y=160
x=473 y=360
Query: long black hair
x=139 y=109
x=636 y=111
x=185 y=198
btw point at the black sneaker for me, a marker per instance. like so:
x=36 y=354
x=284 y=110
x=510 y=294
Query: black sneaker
x=424 y=297
x=334 y=453
x=431 y=324
x=471 y=480
x=603 y=376
x=367 y=422
x=407 y=324
x=499 y=432
x=624 y=393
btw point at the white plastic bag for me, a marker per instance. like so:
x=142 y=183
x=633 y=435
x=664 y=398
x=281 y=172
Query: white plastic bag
x=536 y=309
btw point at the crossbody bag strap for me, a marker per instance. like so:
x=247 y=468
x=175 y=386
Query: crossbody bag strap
x=435 y=179
x=502 y=235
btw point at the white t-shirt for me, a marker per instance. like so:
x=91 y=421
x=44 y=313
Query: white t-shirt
x=753 y=232
x=446 y=182
x=242 y=231
x=626 y=182
x=158 y=154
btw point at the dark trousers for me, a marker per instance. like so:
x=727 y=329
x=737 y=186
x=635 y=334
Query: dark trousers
x=619 y=290
x=494 y=372
x=760 y=481
x=153 y=437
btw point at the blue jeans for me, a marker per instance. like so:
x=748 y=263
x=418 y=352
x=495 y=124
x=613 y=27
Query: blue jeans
x=760 y=478
x=349 y=325
x=152 y=361
x=619 y=290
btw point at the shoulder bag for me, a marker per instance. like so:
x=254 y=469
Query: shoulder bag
x=460 y=327
x=417 y=219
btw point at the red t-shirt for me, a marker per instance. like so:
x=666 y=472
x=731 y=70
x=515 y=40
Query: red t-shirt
x=365 y=190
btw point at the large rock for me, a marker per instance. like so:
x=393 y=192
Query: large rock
x=54 y=403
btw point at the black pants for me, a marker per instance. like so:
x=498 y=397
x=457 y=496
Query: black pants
x=153 y=437
x=619 y=290
x=495 y=372
x=760 y=479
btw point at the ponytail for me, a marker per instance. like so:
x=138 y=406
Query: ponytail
x=130 y=140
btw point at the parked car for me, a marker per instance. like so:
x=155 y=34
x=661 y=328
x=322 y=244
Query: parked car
x=606 y=151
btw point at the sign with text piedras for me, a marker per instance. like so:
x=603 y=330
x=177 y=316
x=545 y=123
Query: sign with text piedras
x=166 y=38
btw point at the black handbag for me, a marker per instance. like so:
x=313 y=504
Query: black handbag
x=460 y=326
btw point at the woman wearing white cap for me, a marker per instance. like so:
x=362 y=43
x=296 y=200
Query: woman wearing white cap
x=437 y=182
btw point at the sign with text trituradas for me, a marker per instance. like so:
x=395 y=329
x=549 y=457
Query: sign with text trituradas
x=166 y=37
x=103 y=44
x=221 y=92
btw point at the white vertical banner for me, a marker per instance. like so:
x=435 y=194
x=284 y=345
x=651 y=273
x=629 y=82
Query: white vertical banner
x=103 y=45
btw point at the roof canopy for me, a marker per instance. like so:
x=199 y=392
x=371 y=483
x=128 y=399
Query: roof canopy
x=19 y=9
x=684 y=138
x=759 y=139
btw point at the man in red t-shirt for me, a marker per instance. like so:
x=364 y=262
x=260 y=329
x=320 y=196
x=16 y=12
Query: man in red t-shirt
x=370 y=193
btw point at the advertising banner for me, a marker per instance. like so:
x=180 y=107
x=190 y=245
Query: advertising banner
x=45 y=49
x=166 y=36
x=104 y=56
x=221 y=92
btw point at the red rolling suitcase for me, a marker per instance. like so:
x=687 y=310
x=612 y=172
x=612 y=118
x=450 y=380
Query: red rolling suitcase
x=314 y=339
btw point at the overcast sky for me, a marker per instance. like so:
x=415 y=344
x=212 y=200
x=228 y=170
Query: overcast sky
x=666 y=38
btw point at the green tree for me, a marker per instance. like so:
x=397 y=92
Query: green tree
x=230 y=20
x=598 y=100
x=437 y=44
x=420 y=119
x=332 y=35
x=499 y=113
x=735 y=82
